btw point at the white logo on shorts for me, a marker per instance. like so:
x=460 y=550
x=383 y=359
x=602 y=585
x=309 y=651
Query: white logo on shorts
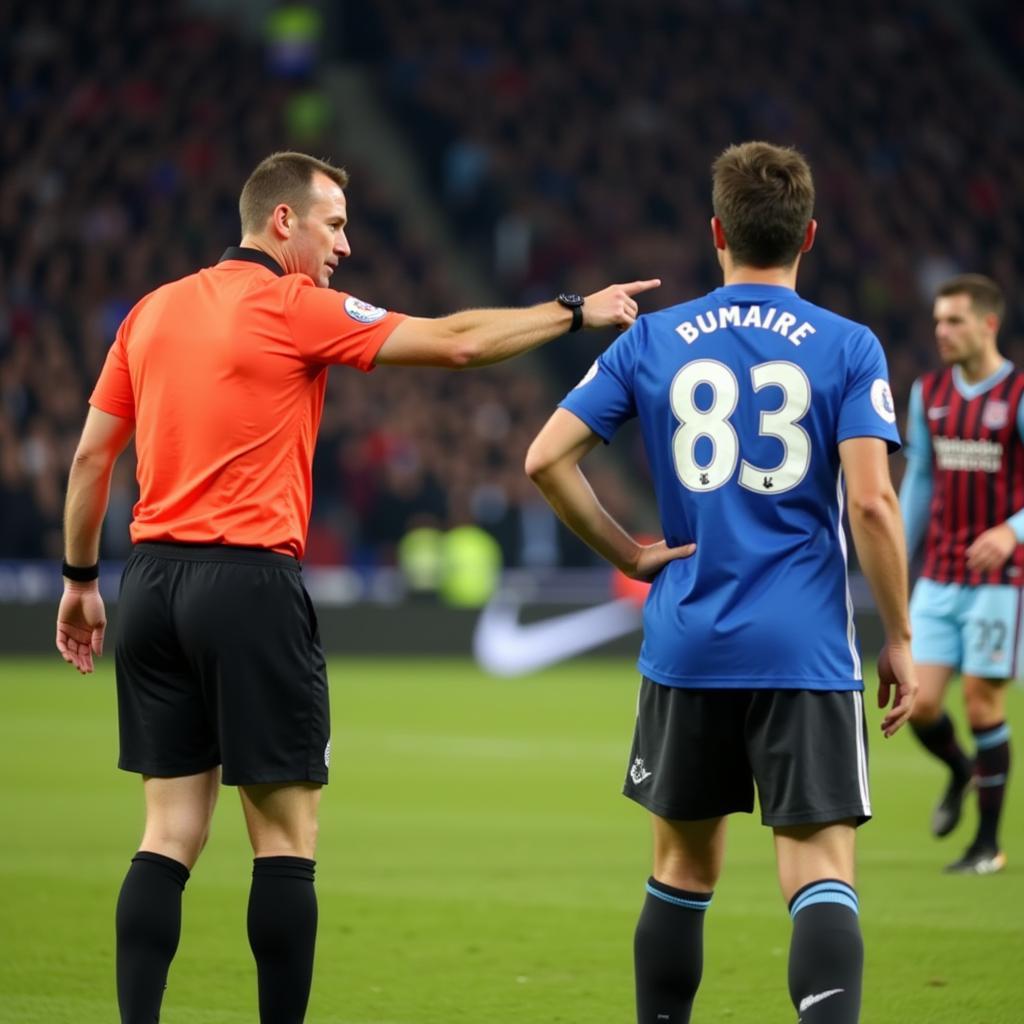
x=638 y=773
x=327 y=755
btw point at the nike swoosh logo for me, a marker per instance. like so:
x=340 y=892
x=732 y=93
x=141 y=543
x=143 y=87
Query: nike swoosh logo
x=505 y=647
x=808 y=1001
x=938 y=412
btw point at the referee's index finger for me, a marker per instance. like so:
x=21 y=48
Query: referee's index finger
x=635 y=287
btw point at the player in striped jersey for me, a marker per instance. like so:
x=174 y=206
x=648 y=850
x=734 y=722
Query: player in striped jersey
x=963 y=493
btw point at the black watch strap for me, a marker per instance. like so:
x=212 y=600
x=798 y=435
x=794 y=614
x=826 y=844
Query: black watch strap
x=573 y=301
x=80 y=573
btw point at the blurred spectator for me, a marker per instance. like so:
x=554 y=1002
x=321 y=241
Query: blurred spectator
x=574 y=139
x=130 y=131
x=568 y=145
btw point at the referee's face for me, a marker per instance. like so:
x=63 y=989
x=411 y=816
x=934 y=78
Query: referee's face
x=318 y=243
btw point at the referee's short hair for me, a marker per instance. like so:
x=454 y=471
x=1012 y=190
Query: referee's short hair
x=764 y=197
x=282 y=178
x=985 y=295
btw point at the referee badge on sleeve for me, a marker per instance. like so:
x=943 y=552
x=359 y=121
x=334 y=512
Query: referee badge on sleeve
x=363 y=311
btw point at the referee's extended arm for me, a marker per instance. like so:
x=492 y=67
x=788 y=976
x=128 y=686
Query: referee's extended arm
x=478 y=337
x=81 y=617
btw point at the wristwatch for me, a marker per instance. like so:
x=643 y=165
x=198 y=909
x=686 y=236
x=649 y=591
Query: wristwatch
x=573 y=301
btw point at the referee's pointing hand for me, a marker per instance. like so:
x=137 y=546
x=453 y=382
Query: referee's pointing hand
x=615 y=305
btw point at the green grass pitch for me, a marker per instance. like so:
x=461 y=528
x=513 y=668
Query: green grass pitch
x=476 y=863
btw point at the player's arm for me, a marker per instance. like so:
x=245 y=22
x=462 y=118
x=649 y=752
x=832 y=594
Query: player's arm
x=477 y=337
x=992 y=548
x=878 y=536
x=918 y=482
x=552 y=463
x=81 y=618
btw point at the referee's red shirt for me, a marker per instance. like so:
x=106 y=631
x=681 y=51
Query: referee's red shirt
x=224 y=374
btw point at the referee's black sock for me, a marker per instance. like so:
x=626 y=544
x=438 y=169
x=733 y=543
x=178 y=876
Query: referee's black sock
x=668 y=953
x=148 y=923
x=282 y=934
x=939 y=739
x=826 y=953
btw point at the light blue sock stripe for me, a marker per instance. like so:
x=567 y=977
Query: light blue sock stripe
x=679 y=901
x=992 y=738
x=824 y=897
x=826 y=892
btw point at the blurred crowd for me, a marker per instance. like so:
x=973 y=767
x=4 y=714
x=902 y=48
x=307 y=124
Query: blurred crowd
x=130 y=129
x=573 y=141
x=568 y=144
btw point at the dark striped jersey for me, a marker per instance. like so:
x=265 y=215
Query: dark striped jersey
x=966 y=439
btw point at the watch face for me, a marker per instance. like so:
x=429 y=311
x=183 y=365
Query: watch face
x=570 y=299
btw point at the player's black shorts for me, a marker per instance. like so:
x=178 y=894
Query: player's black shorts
x=219 y=661
x=698 y=753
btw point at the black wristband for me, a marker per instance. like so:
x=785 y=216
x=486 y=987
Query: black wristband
x=573 y=301
x=80 y=573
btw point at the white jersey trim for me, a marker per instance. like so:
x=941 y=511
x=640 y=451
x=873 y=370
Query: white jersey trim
x=851 y=629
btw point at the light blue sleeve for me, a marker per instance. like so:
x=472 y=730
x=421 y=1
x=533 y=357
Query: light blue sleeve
x=1016 y=521
x=916 y=489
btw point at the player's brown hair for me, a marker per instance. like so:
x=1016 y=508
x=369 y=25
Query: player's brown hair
x=282 y=178
x=985 y=295
x=764 y=197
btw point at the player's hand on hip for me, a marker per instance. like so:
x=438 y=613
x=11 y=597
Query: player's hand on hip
x=992 y=549
x=896 y=680
x=81 y=623
x=615 y=305
x=652 y=558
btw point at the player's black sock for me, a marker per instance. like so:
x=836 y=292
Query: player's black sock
x=668 y=953
x=148 y=923
x=993 y=770
x=826 y=953
x=282 y=934
x=939 y=739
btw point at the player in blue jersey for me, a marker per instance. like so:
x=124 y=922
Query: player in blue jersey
x=963 y=495
x=755 y=406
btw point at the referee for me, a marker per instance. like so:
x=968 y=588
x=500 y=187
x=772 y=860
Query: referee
x=220 y=672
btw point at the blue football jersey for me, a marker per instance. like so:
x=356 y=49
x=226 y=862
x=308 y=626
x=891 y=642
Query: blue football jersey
x=743 y=397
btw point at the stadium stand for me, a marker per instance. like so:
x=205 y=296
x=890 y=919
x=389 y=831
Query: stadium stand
x=578 y=136
x=130 y=129
x=567 y=144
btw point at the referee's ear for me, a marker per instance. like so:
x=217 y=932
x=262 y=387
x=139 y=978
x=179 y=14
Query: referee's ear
x=281 y=220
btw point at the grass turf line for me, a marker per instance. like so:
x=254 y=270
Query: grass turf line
x=475 y=863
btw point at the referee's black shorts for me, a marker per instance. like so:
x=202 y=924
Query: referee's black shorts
x=698 y=754
x=219 y=662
